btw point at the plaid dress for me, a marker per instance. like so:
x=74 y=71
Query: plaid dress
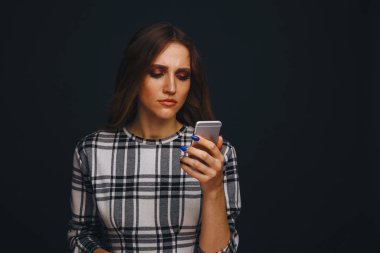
x=129 y=194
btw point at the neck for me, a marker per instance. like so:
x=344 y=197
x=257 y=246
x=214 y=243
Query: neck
x=149 y=128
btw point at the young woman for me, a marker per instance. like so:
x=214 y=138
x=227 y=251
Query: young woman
x=133 y=187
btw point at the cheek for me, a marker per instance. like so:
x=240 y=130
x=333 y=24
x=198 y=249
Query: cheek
x=185 y=91
x=148 y=92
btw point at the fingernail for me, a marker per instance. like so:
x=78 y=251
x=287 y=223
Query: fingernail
x=183 y=148
x=195 y=138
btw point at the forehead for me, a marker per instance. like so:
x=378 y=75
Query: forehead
x=174 y=55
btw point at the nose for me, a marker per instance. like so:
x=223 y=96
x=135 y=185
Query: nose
x=170 y=85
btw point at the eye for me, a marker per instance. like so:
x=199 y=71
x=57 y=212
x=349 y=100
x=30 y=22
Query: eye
x=183 y=76
x=156 y=73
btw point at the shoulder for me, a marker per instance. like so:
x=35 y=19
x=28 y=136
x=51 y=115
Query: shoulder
x=98 y=139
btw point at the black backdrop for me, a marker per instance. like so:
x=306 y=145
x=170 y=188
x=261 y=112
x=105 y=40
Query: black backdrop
x=295 y=84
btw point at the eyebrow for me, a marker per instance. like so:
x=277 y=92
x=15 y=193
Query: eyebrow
x=165 y=67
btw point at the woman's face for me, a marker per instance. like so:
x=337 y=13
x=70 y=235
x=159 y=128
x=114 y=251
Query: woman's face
x=168 y=78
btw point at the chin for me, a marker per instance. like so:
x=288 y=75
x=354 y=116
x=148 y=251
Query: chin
x=167 y=115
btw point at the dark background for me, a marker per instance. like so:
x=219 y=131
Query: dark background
x=295 y=84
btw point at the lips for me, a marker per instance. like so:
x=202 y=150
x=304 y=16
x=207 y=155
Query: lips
x=168 y=102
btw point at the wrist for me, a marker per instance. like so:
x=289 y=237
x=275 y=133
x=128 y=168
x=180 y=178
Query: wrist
x=100 y=250
x=215 y=193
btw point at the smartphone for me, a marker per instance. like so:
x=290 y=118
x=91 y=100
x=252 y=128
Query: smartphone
x=206 y=129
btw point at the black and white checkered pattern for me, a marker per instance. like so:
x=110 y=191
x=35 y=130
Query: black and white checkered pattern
x=130 y=195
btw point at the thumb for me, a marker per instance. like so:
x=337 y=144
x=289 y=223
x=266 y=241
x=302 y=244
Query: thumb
x=220 y=142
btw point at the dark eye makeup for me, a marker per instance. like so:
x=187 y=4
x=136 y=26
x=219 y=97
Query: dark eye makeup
x=182 y=75
x=155 y=74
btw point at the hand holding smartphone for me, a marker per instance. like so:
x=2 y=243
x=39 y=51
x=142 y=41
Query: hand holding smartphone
x=207 y=129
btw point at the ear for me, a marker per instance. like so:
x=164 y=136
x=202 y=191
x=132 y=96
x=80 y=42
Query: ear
x=220 y=142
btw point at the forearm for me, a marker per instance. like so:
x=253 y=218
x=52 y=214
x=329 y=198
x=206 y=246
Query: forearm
x=100 y=250
x=215 y=232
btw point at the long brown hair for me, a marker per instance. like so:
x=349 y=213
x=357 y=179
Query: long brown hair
x=142 y=49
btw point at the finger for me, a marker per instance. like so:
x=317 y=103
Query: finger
x=220 y=142
x=194 y=163
x=195 y=174
x=210 y=146
x=200 y=154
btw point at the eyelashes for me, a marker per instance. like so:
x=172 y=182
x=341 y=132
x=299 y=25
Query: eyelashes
x=182 y=77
